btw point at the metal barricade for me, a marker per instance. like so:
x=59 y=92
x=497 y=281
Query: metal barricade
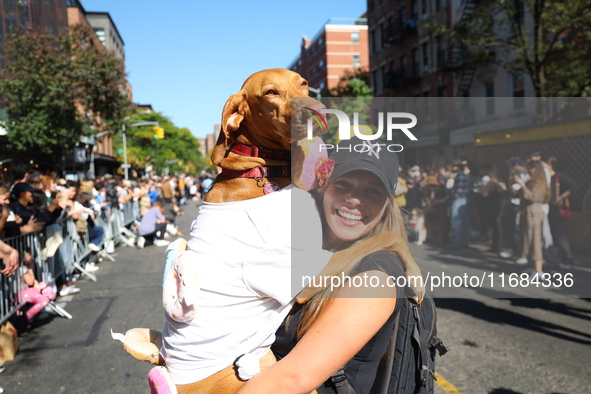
x=59 y=250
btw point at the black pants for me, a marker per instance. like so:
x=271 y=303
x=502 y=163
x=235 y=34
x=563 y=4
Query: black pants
x=152 y=236
x=559 y=234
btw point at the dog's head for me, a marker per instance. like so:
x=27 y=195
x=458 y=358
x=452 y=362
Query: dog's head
x=415 y=217
x=260 y=114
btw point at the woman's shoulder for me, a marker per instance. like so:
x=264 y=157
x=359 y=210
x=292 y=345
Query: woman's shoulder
x=380 y=260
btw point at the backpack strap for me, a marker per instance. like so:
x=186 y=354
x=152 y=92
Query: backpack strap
x=340 y=382
x=422 y=368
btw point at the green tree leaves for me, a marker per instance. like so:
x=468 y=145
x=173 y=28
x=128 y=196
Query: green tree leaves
x=56 y=87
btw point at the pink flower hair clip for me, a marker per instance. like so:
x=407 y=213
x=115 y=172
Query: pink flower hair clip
x=324 y=169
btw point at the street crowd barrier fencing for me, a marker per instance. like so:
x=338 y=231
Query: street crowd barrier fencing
x=59 y=250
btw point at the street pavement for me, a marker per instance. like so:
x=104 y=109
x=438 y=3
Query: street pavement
x=497 y=345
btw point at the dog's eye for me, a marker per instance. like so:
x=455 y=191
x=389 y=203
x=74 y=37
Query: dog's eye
x=271 y=92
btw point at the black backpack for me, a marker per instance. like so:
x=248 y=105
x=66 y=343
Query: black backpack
x=409 y=364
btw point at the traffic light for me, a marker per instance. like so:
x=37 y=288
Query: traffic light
x=158 y=133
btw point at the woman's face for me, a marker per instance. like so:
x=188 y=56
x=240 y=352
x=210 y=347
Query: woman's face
x=4 y=199
x=353 y=205
x=72 y=192
x=26 y=196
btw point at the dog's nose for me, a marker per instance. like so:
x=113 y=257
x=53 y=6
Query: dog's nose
x=316 y=105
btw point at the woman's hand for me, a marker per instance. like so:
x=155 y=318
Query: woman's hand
x=517 y=179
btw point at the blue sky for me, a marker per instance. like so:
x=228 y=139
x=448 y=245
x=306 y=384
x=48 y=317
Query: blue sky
x=187 y=57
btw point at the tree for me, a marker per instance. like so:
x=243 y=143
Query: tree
x=59 y=88
x=178 y=150
x=352 y=94
x=550 y=40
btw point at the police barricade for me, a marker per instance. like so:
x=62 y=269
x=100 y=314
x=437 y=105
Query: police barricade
x=59 y=250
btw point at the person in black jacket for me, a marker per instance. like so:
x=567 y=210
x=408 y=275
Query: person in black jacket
x=562 y=187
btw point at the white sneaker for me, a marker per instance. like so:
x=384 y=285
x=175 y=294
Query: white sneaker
x=141 y=241
x=69 y=290
x=91 y=267
x=506 y=254
x=161 y=242
x=94 y=248
x=521 y=261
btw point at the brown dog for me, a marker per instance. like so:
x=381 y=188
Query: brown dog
x=260 y=115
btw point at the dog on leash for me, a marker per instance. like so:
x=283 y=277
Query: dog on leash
x=218 y=331
x=417 y=225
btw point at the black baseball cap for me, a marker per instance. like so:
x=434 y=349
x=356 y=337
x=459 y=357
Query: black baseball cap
x=356 y=154
x=22 y=187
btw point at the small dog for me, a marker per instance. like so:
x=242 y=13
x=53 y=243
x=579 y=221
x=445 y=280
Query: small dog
x=417 y=224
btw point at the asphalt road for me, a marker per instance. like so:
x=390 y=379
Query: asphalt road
x=497 y=345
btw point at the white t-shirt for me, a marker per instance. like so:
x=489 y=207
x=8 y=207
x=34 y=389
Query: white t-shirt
x=245 y=256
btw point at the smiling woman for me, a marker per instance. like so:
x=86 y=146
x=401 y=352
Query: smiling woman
x=356 y=203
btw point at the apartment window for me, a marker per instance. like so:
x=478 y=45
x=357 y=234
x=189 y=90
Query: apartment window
x=372 y=41
x=320 y=41
x=356 y=61
x=321 y=64
x=100 y=33
x=374 y=78
x=489 y=93
x=415 y=63
x=382 y=35
x=370 y=5
x=438 y=5
x=425 y=53
x=403 y=72
x=322 y=85
x=518 y=89
x=424 y=7
x=440 y=53
x=355 y=37
x=441 y=91
x=383 y=77
x=415 y=9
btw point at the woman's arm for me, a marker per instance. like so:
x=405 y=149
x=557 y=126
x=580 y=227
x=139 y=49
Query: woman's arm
x=342 y=330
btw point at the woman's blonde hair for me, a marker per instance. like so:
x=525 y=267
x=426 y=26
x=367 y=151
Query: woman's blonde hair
x=4 y=190
x=392 y=220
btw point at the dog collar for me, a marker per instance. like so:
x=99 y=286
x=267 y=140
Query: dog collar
x=257 y=151
x=259 y=172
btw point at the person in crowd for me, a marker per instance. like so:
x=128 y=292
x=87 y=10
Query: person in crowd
x=561 y=186
x=401 y=190
x=414 y=196
x=510 y=209
x=460 y=220
x=206 y=184
x=492 y=193
x=38 y=294
x=153 y=227
x=549 y=251
x=324 y=334
x=95 y=233
x=533 y=194
x=23 y=207
x=21 y=173
x=436 y=198
x=10 y=224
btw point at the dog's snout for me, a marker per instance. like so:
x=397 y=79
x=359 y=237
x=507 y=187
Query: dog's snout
x=316 y=106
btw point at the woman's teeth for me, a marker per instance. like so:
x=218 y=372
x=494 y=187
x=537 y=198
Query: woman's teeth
x=348 y=215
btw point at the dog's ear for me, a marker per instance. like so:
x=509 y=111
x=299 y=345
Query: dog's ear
x=233 y=114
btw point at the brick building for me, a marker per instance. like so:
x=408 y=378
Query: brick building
x=340 y=45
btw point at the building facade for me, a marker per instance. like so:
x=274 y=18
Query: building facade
x=339 y=46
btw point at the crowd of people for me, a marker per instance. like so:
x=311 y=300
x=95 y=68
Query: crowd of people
x=32 y=201
x=521 y=216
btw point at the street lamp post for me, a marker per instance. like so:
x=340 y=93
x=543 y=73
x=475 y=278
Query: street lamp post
x=123 y=128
